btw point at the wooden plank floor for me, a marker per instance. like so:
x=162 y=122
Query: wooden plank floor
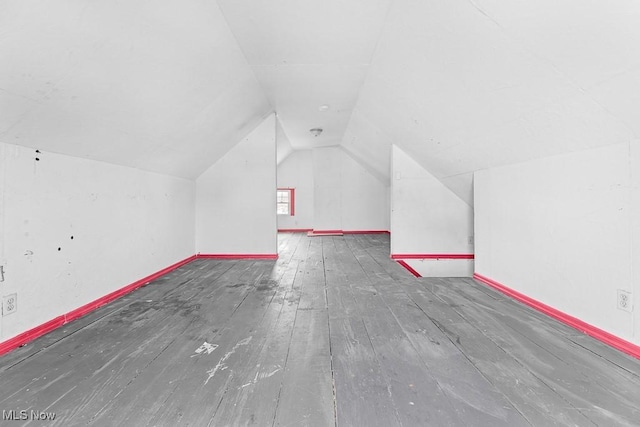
x=333 y=333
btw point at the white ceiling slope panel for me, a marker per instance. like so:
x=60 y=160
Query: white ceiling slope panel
x=464 y=85
x=283 y=146
x=307 y=54
x=161 y=85
x=366 y=141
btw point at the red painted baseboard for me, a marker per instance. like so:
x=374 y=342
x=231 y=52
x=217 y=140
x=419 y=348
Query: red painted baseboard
x=59 y=321
x=81 y=311
x=238 y=256
x=409 y=268
x=315 y=233
x=432 y=256
x=597 y=333
x=365 y=232
x=31 y=334
x=306 y=230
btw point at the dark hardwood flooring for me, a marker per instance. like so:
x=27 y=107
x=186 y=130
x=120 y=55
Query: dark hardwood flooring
x=334 y=332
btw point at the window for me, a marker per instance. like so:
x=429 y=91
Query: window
x=285 y=201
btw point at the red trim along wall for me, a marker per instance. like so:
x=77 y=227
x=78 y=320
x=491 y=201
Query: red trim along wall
x=597 y=333
x=59 y=321
x=432 y=256
x=365 y=232
x=292 y=204
x=306 y=230
x=315 y=233
x=409 y=268
x=62 y=320
x=238 y=256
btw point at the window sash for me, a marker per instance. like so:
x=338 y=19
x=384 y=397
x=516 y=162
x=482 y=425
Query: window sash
x=285 y=201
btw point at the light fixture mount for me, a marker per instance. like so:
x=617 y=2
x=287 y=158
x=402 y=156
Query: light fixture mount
x=316 y=131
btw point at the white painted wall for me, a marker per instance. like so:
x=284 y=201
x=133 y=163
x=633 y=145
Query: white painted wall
x=283 y=145
x=346 y=195
x=333 y=192
x=236 y=197
x=365 y=197
x=562 y=230
x=3 y=262
x=296 y=171
x=126 y=224
x=442 y=267
x=327 y=178
x=634 y=166
x=428 y=218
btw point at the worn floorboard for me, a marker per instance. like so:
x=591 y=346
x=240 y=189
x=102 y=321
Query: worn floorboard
x=332 y=333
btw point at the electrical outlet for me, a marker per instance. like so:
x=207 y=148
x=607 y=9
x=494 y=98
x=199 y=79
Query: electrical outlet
x=9 y=304
x=624 y=301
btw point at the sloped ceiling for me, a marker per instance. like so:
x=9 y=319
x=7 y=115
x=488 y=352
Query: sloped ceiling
x=459 y=85
x=283 y=145
x=158 y=85
x=465 y=85
x=307 y=54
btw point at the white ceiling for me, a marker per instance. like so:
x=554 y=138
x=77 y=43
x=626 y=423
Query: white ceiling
x=159 y=85
x=306 y=54
x=464 y=85
x=459 y=85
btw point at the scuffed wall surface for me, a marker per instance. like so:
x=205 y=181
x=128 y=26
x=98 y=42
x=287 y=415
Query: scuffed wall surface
x=76 y=229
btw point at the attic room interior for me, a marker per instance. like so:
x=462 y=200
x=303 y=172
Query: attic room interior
x=355 y=212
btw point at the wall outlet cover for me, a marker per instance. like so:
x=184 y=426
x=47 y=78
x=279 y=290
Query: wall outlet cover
x=625 y=301
x=9 y=304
